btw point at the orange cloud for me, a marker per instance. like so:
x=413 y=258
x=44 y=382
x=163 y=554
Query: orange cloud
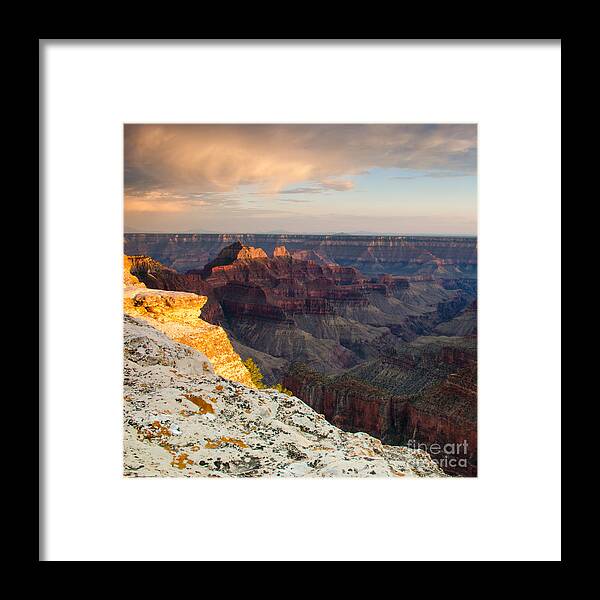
x=160 y=202
x=187 y=159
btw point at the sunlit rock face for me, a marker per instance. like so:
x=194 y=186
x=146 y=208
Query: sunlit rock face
x=182 y=419
x=177 y=314
x=233 y=252
x=130 y=280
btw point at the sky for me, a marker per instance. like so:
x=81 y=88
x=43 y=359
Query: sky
x=356 y=179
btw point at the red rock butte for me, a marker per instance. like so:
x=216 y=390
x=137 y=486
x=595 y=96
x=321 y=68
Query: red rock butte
x=280 y=251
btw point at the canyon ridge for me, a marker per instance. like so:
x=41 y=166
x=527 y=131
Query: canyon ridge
x=378 y=334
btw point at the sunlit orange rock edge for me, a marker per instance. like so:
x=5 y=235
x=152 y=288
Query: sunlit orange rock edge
x=177 y=314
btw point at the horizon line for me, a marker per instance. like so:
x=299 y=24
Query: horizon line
x=303 y=234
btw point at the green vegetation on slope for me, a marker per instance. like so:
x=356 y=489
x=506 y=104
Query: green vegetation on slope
x=257 y=378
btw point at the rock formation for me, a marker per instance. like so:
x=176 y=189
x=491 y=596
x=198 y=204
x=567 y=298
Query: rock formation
x=464 y=324
x=129 y=279
x=156 y=276
x=282 y=309
x=177 y=314
x=232 y=253
x=426 y=396
x=440 y=257
x=312 y=256
x=183 y=420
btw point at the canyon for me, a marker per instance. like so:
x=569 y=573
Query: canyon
x=191 y=408
x=378 y=334
x=423 y=399
x=394 y=255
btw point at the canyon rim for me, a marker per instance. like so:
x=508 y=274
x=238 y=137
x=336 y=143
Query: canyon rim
x=300 y=300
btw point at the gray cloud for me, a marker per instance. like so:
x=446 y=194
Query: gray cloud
x=337 y=185
x=323 y=186
x=303 y=190
x=208 y=163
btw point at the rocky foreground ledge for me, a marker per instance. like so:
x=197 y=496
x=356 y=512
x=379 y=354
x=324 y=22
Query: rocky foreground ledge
x=177 y=314
x=181 y=419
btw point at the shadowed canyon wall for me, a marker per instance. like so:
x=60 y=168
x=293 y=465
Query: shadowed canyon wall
x=440 y=419
x=397 y=255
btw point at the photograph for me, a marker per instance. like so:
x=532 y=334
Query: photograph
x=300 y=300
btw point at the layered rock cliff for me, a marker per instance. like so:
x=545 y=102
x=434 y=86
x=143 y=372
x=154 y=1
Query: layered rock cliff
x=177 y=314
x=441 y=257
x=183 y=420
x=281 y=308
x=156 y=276
x=248 y=276
x=129 y=279
x=425 y=396
x=464 y=324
